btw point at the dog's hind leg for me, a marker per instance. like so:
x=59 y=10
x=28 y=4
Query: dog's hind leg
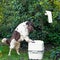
x=17 y=50
x=17 y=47
x=9 y=52
x=12 y=45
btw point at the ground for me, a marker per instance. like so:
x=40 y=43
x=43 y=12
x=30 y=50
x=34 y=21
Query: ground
x=23 y=54
x=14 y=56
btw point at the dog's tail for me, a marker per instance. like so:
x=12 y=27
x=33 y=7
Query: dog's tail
x=5 y=41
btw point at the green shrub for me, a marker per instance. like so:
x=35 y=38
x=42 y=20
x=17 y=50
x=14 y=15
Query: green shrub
x=16 y=11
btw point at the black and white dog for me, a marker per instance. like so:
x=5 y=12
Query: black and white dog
x=20 y=33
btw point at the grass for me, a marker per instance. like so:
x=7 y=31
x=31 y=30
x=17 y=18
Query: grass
x=23 y=54
x=14 y=56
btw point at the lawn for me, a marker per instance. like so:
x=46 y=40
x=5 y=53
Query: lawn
x=14 y=56
x=23 y=54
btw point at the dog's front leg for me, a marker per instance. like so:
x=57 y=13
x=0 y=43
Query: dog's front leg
x=27 y=39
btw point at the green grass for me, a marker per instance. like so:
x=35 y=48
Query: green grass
x=23 y=54
x=14 y=56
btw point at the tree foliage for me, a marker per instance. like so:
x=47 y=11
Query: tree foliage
x=13 y=12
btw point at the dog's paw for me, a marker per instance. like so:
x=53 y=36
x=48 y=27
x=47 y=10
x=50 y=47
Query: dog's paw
x=9 y=54
x=18 y=53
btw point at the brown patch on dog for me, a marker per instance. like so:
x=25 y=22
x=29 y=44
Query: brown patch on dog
x=8 y=41
x=15 y=35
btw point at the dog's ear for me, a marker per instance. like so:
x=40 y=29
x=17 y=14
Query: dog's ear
x=29 y=23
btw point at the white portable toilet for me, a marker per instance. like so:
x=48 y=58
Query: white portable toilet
x=36 y=50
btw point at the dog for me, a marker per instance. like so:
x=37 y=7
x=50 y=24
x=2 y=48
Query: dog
x=20 y=33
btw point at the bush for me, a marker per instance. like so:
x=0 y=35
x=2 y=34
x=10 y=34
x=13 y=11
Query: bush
x=16 y=11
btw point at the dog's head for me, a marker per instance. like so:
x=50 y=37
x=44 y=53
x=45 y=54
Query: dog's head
x=4 y=40
x=30 y=26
